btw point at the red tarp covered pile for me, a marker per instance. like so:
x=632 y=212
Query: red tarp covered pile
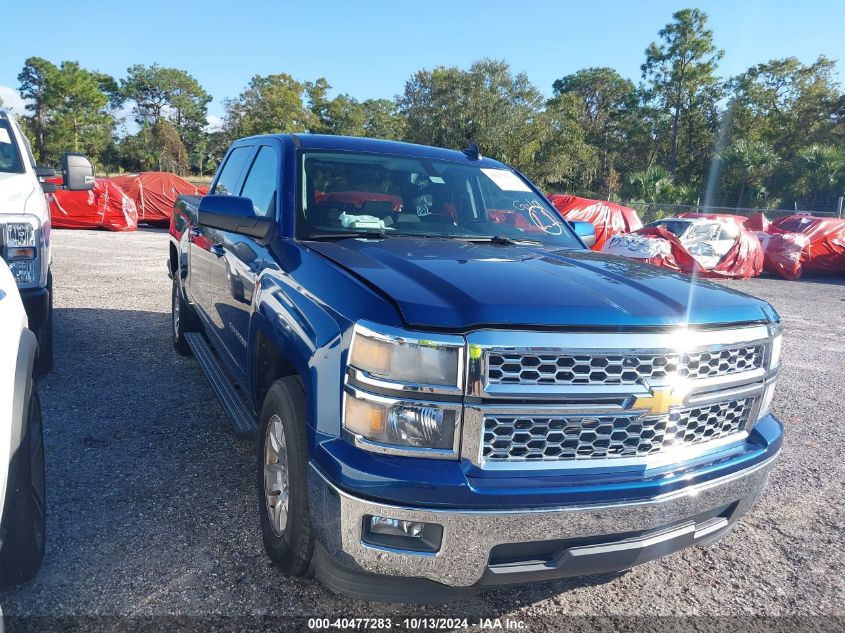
x=105 y=206
x=656 y=245
x=801 y=242
x=155 y=192
x=608 y=218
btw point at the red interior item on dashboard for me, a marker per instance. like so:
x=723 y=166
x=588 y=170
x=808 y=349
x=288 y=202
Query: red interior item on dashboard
x=106 y=206
x=608 y=218
x=155 y=193
x=798 y=243
x=358 y=198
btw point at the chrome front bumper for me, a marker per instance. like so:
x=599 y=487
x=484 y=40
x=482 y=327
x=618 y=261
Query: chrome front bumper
x=469 y=536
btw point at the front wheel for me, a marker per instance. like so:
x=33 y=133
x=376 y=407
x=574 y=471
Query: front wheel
x=182 y=320
x=25 y=512
x=282 y=478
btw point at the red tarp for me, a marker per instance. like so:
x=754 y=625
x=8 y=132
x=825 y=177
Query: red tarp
x=608 y=218
x=656 y=245
x=801 y=242
x=105 y=206
x=155 y=192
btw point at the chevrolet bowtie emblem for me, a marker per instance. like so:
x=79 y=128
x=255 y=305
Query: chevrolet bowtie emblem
x=660 y=400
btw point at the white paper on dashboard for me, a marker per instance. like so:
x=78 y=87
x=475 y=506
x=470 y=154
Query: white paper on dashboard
x=506 y=180
x=4 y=136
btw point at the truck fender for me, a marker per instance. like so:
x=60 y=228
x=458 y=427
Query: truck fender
x=305 y=335
x=22 y=392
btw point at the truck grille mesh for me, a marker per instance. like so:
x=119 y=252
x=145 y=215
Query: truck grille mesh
x=518 y=368
x=541 y=438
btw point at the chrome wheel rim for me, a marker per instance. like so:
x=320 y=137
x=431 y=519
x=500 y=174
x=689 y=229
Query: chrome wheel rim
x=276 y=493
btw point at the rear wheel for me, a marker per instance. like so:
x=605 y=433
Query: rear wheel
x=182 y=320
x=282 y=478
x=25 y=511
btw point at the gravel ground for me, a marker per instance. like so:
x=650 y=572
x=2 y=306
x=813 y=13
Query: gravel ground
x=152 y=510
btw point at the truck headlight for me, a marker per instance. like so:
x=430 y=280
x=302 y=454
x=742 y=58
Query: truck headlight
x=21 y=238
x=24 y=272
x=20 y=234
x=776 y=332
x=774 y=357
x=406 y=358
x=400 y=423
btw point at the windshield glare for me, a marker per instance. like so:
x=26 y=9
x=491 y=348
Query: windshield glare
x=10 y=158
x=349 y=193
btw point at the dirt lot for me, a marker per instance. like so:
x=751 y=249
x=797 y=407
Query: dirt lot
x=151 y=502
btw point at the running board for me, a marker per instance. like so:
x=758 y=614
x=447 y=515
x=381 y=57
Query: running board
x=238 y=413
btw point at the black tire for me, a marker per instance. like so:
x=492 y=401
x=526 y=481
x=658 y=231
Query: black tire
x=44 y=362
x=182 y=320
x=292 y=549
x=25 y=508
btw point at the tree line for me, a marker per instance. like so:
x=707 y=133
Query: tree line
x=769 y=137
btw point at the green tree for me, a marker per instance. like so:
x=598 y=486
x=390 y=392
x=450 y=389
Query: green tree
x=819 y=176
x=69 y=110
x=503 y=112
x=607 y=113
x=680 y=83
x=785 y=104
x=270 y=104
x=167 y=100
x=382 y=119
x=35 y=79
x=651 y=185
x=746 y=167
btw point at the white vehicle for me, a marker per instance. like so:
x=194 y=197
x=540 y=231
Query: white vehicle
x=22 y=492
x=708 y=241
x=25 y=225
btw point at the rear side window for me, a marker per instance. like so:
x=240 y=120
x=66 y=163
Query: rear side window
x=260 y=183
x=232 y=169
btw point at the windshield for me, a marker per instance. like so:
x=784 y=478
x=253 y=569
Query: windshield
x=351 y=193
x=10 y=158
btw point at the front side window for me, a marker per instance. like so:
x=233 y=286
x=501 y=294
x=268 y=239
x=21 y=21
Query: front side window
x=10 y=157
x=347 y=193
x=260 y=183
x=228 y=180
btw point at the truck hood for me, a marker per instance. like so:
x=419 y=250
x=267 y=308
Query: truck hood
x=456 y=285
x=15 y=190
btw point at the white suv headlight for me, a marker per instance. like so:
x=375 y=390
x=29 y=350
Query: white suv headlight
x=21 y=244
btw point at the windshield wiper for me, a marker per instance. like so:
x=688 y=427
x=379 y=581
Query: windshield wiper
x=498 y=239
x=372 y=235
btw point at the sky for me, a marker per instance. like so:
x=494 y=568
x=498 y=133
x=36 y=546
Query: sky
x=370 y=48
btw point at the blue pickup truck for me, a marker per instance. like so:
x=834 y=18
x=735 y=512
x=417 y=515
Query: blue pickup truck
x=449 y=390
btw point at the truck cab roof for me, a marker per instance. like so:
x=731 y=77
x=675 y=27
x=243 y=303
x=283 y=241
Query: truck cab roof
x=375 y=146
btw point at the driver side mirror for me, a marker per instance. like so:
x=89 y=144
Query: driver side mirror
x=585 y=230
x=234 y=214
x=77 y=172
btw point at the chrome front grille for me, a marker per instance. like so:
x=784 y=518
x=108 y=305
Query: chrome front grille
x=515 y=367
x=508 y=437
